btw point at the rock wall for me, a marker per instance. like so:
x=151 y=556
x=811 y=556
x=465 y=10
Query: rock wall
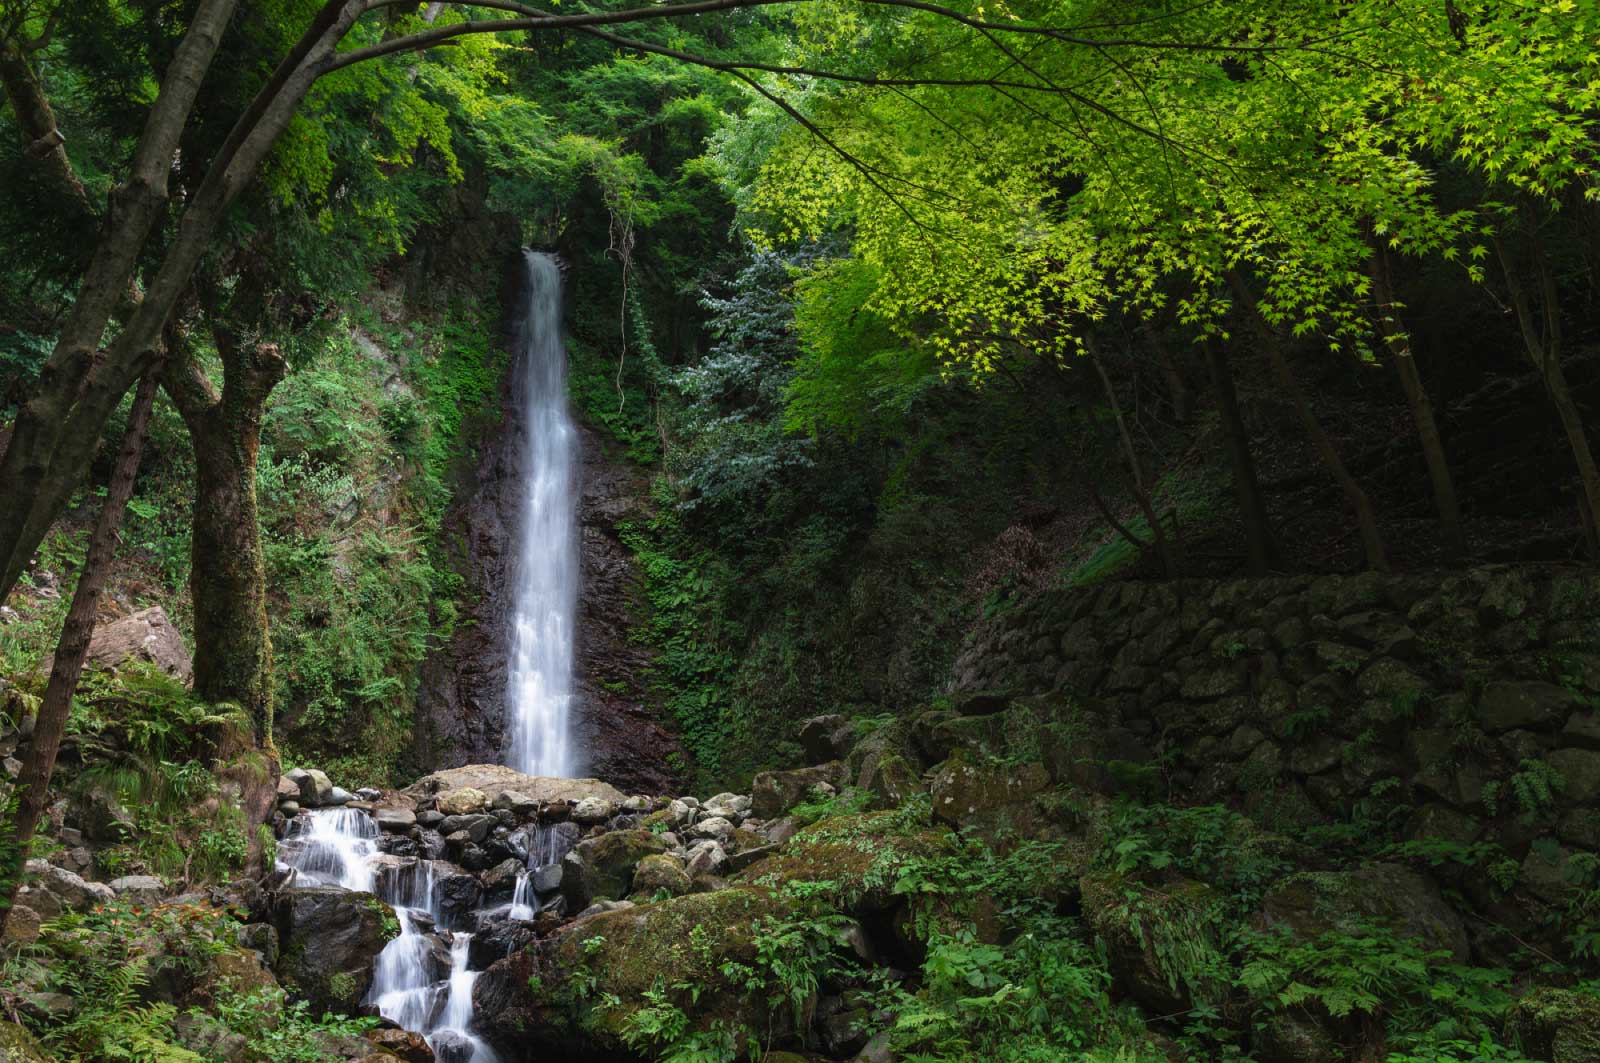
x=461 y=709
x=1464 y=703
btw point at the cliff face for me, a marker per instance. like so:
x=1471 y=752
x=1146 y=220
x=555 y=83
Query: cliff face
x=461 y=710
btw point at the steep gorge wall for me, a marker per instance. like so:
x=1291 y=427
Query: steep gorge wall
x=1460 y=708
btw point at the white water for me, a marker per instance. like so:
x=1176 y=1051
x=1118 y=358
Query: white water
x=338 y=847
x=539 y=697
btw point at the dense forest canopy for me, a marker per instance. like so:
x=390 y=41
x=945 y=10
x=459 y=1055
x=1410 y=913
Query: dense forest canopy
x=1159 y=427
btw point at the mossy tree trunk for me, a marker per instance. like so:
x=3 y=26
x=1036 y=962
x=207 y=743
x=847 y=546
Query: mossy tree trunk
x=233 y=647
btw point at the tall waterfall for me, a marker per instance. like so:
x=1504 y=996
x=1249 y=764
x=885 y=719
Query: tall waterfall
x=545 y=569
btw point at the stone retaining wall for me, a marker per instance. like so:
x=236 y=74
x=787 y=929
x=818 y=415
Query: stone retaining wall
x=1462 y=705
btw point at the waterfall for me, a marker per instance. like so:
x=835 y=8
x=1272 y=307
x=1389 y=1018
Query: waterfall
x=545 y=568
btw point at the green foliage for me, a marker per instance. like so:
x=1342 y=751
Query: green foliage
x=1209 y=843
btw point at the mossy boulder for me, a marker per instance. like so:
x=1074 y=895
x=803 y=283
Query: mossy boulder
x=988 y=794
x=859 y=856
x=1317 y=902
x=17 y=1045
x=601 y=868
x=1559 y=1025
x=1162 y=941
x=660 y=872
x=626 y=953
x=772 y=793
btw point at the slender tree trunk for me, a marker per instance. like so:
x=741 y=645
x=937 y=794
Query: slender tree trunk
x=1355 y=496
x=1399 y=344
x=1177 y=388
x=1261 y=546
x=36 y=120
x=1542 y=340
x=1136 y=471
x=40 y=761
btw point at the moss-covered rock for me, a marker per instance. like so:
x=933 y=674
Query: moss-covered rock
x=1559 y=1025
x=601 y=868
x=772 y=793
x=1162 y=942
x=1317 y=902
x=660 y=872
x=331 y=938
x=989 y=795
x=17 y=1045
x=859 y=856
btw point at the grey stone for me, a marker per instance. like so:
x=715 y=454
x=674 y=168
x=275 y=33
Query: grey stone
x=592 y=810
x=140 y=889
x=1504 y=706
x=395 y=820
x=1581 y=770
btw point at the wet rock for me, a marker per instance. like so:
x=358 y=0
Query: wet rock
x=476 y=827
x=395 y=820
x=330 y=939
x=399 y=845
x=340 y=796
x=773 y=793
x=430 y=818
x=405 y=1045
x=502 y=877
x=313 y=785
x=547 y=879
x=260 y=938
x=498 y=939
x=459 y=896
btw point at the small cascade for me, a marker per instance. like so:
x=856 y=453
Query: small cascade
x=410 y=985
x=332 y=847
x=524 y=902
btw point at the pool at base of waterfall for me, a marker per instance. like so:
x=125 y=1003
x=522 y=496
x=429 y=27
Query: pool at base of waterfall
x=422 y=980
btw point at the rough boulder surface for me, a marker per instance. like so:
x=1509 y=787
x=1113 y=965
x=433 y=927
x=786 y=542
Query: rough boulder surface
x=330 y=939
x=495 y=778
x=148 y=635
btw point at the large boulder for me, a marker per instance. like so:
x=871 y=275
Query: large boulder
x=17 y=1045
x=148 y=635
x=601 y=868
x=1560 y=1025
x=988 y=794
x=826 y=738
x=495 y=778
x=1317 y=902
x=773 y=793
x=314 y=786
x=330 y=939
x=1144 y=927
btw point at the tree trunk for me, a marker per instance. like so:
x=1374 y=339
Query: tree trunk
x=36 y=121
x=1399 y=343
x=1360 y=505
x=1261 y=546
x=1177 y=388
x=34 y=783
x=227 y=575
x=1141 y=492
x=1542 y=340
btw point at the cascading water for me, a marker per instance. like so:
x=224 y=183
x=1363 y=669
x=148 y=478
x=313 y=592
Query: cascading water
x=338 y=847
x=539 y=696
